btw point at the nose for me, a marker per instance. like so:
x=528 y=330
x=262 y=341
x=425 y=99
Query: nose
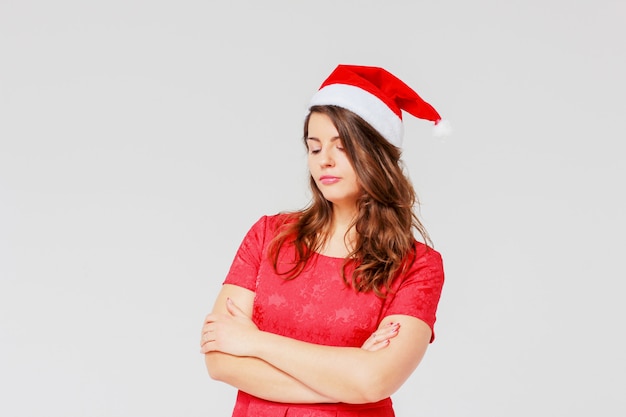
x=326 y=159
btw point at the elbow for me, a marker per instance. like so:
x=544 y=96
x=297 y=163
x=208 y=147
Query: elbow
x=370 y=388
x=374 y=394
x=213 y=366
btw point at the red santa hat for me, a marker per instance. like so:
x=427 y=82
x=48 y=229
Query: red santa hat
x=378 y=97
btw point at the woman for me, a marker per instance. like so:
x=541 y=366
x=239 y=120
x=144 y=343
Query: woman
x=327 y=311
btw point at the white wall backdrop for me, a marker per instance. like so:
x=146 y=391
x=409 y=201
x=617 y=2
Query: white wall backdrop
x=139 y=140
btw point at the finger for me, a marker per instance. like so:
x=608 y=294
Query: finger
x=372 y=345
x=208 y=332
x=372 y=341
x=207 y=327
x=381 y=335
x=208 y=347
x=367 y=345
x=203 y=339
x=378 y=346
x=233 y=308
x=210 y=318
x=204 y=323
x=387 y=331
x=387 y=334
x=207 y=337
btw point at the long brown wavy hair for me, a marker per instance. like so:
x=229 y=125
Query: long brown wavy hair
x=384 y=243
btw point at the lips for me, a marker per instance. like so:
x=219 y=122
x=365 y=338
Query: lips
x=328 y=179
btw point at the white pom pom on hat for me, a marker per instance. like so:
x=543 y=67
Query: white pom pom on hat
x=378 y=97
x=442 y=129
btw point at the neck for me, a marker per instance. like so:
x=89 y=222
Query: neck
x=338 y=241
x=341 y=229
x=342 y=217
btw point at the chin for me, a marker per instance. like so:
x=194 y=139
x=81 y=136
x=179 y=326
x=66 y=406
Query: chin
x=340 y=201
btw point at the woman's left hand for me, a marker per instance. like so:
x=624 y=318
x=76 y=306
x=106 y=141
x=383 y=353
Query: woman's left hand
x=380 y=339
x=230 y=333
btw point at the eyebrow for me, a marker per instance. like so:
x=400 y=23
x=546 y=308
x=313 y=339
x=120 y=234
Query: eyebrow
x=334 y=138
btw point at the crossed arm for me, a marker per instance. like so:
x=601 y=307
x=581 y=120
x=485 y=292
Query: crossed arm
x=282 y=369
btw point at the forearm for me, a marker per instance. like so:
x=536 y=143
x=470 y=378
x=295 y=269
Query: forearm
x=346 y=374
x=257 y=377
x=341 y=374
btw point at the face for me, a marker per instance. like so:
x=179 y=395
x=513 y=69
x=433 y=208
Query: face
x=329 y=164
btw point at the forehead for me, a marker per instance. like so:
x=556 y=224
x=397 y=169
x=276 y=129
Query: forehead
x=320 y=127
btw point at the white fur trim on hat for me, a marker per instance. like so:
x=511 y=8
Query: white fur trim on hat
x=371 y=109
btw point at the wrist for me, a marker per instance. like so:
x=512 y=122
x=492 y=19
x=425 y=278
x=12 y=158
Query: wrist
x=261 y=343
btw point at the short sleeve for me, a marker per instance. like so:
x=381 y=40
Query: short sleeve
x=245 y=267
x=418 y=291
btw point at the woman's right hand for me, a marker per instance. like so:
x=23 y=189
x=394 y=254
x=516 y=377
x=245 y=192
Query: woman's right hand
x=380 y=339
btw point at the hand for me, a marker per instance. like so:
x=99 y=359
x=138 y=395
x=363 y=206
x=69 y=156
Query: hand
x=380 y=339
x=231 y=333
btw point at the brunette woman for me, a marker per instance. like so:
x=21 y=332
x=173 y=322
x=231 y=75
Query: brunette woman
x=328 y=310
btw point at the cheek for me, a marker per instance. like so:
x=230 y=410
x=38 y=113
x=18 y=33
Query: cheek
x=356 y=182
x=357 y=186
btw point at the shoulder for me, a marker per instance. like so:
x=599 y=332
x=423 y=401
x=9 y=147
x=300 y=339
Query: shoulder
x=425 y=254
x=424 y=262
x=282 y=218
x=272 y=224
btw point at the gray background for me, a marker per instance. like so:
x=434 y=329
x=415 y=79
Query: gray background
x=139 y=140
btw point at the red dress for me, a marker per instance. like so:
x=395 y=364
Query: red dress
x=318 y=307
